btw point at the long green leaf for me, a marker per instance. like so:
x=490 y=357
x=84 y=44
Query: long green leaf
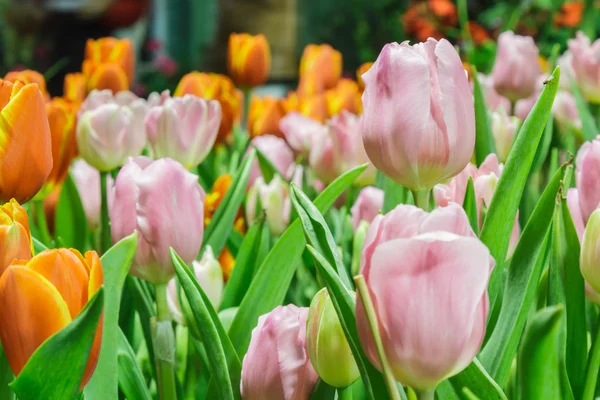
x=131 y=378
x=588 y=126
x=70 y=221
x=394 y=194
x=477 y=380
x=272 y=280
x=267 y=168
x=115 y=266
x=55 y=370
x=470 y=206
x=542 y=151
x=144 y=304
x=484 y=140
x=38 y=246
x=6 y=376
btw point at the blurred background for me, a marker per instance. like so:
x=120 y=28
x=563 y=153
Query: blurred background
x=173 y=37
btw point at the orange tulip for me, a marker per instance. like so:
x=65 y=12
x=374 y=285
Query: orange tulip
x=248 y=59
x=345 y=96
x=323 y=61
x=15 y=238
x=25 y=144
x=41 y=296
x=264 y=115
x=359 y=73
x=216 y=87
x=75 y=87
x=109 y=64
x=227 y=263
x=311 y=83
x=478 y=33
x=314 y=107
x=570 y=14
x=29 y=76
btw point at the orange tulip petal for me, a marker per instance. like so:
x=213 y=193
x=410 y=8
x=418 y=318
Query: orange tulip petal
x=31 y=310
x=96 y=273
x=15 y=243
x=108 y=76
x=5 y=91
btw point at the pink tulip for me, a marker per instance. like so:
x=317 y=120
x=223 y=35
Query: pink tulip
x=575 y=210
x=275 y=150
x=164 y=203
x=158 y=99
x=87 y=181
x=504 y=129
x=275 y=201
x=587 y=171
x=524 y=106
x=184 y=129
x=418 y=123
x=564 y=110
x=300 y=131
x=516 y=68
x=427 y=274
x=493 y=100
x=565 y=62
x=98 y=98
x=367 y=206
x=586 y=65
x=276 y=365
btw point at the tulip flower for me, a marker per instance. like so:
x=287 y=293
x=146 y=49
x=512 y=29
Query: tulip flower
x=322 y=62
x=15 y=237
x=29 y=76
x=184 y=129
x=40 y=296
x=75 y=87
x=360 y=72
x=227 y=262
x=264 y=115
x=26 y=151
x=587 y=168
x=163 y=202
x=300 y=131
x=524 y=106
x=564 y=110
x=567 y=74
x=158 y=99
x=590 y=251
x=575 y=210
x=248 y=59
x=344 y=96
x=586 y=65
x=426 y=273
x=516 y=68
x=275 y=150
x=314 y=106
x=418 y=122
x=504 y=130
x=494 y=101
x=87 y=181
x=367 y=206
x=215 y=87
x=276 y=365
x=109 y=64
x=275 y=201
x=328 y=349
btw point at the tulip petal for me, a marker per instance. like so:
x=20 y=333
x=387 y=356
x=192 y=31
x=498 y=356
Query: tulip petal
x=108 y=76
x=16 y=244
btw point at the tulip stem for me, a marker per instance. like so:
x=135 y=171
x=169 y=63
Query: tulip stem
x=591 y=375
x=421 y=198
x=425 y=394
x=106 y=240
x=345 y=393
x=164 y=345
x=367 y=303
x=42 y=224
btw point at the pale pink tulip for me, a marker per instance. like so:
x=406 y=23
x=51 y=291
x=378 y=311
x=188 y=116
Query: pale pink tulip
x=300 y=131
x=504 y=130
x=524 y=106
x=494 y=101
x=367 y=206
x=590 y=251
x=587 y=172
x=87 y=181
x=275 y=201
x=516 y=68
x=575 y=210
x=277 y=366
x=97 y=98
x=567 y=75
x=418 y=123
x=164 y=203
x=564 y=110
x=158 y=99
x=275 y=150
x=184 y=129
x=586 y=65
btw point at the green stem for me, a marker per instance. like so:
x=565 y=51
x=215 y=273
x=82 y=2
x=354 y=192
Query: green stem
x=591 y=374
x=421 y=198
x=42 y=224
x=367 y=303
x=425 y=394
x=106 y=240
x=164 y=345
x=345 y=393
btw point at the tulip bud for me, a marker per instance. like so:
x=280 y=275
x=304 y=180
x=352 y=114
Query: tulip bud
x=516 y=68
x=29 y=76
x=587 y=171
x=264 y=115
x=493 y=100
x=590 y=251
x=275 y=201
x=575 y=210
x=418 y=122
x=184 y=129
x=586 y=65
x=109 y=64
x=328 y=349
x=300 y=131
x=164 y=203
x=87 y=181
x=276 y=365
x=564 y=110
x=248 y=59
x=504 y=129
x=275 y=150
x=75 y=87
x=367 y=206
x=15 y=238
x=324 y=62
x=344 y=96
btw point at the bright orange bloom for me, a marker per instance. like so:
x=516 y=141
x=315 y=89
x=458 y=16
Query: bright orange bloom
x=324 y=63
x=311 y=84
x=217 y=87
x=29 y=76
x=445 y=10
x=40 y=296
x=364 y=67
x=478 y=33
x=25 y=141
x=248 y=59
x=314 y=107
x=227 y=263
x=75 y=87
x=345 y=96
x=570 y=14
x=215 y=197
x=15 y=238
x=264 y=115
x=109 y=64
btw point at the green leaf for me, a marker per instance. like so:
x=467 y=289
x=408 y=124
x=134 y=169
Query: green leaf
x=38 y=246
x=470 y=206
x=273 y=278
x=115 y=266
x=542 y=151
x=55 y=370
x=476 y=379
x=227 y=380
x=484 y=140
x=234 y=242
x=394 y=194
x=267 y=168
x=144 y=304
x=555 y=293
x=539 y=359
x=322 y=391
x=6 y=376
x=220 y=226
x=588 y=126
x=131 y=378
x=528 y=261
x=502 y=211
x=71 y=223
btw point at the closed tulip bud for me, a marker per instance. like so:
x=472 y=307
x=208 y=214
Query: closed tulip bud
x=367 y=206
x=493 y=100
x=323 y=61
x=109 y=64
x=418 y=122
x=26 y=151
x=184 y=129
x=41 y=296
x=504 y=129
x=15 y=238
x=164 y=203
x=249 y=59
x=328 y=349
x=275 y=150
x=276 y=365
x=87 y=181
x=344 y=96
x=564 y=110
x=29 y=76
x=360 y=72
x=586 y=65
x=587 y=170
x=434 y=263
x=590 y=251
x=275 y=201
x=264 y=116
x=75 y=87
x=300 y=131
x=516 y=68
